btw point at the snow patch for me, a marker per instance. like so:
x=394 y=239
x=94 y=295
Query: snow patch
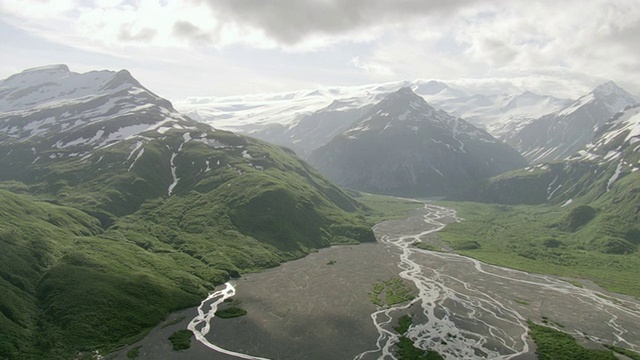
x=615 y=175
x=136 y=159
x=246 y=155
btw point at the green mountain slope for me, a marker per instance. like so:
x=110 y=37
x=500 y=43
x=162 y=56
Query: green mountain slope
x=118 y=210
x=585 y=221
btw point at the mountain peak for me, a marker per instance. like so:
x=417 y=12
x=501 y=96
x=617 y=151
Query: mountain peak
x=609 y=88
x=405 y=93
x=403 y=100
x=120 y=78
x=431 y=87
x=48 y=68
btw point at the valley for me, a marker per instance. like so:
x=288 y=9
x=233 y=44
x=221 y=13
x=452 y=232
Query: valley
x=119 y=213
x=463 y=308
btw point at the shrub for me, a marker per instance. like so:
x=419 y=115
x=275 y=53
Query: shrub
x=231 y=312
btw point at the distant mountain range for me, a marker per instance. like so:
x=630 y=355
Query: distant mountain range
x=404 y=146
x=306 y=120
x=562 y=133
x=117 y=209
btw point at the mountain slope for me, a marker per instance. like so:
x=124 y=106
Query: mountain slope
x=561 y=134
x=501 y=115
x=603 y=176
x=162 y=209
x=306 y=120
x=403 y=146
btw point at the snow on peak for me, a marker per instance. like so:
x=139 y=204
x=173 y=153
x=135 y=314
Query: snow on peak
x=431 y=87
x=50 y=85
x=48 y=69
x=607 y=88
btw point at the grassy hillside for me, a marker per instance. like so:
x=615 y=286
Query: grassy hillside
x=95 y=251
x=584 y=241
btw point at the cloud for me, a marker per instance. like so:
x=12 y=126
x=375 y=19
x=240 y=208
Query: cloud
x=372 y=67
x=186 y=30
x=144 y=35
x=581 y=42
x=292 y=22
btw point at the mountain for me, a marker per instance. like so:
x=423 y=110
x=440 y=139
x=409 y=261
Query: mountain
x=117 y=209
x=300 y=120
x=501 y=115
x=404 y=146
x=562 y=133
x=306 y=120
x=600 y=185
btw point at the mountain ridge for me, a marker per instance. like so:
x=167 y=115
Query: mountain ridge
x=146 y=210
x=562 y=133
x=404 y=146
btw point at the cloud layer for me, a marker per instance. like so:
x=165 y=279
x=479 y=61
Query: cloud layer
x=534 y=43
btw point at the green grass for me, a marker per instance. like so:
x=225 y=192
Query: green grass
x=133 y=353
x=552 y=345
x=404 y=323
x=390 y=292
x=92 y=255
x=181 y=339
x=626 y=352
x=425 y=246
x=381 y=207
x=231 y=312
x=528 y=238
x=406 y=350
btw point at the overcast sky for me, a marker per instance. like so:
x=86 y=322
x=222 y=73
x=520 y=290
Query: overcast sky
x=230 y=47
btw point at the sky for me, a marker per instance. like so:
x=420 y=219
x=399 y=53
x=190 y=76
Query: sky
x=190 y=48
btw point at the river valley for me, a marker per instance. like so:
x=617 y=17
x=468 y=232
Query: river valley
x=319 y=307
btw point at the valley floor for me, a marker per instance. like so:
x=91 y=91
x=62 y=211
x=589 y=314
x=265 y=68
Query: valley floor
x=319 y=307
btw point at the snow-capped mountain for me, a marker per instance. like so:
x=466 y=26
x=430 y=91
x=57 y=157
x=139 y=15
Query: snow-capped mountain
x=616 y=142
x=594 y=171
x=617 y=135
x=306 y=120
x=103 y=129
x=501 y=114
x=564 y=132
x=139 y=199
x=65 y=114
x=404 y=146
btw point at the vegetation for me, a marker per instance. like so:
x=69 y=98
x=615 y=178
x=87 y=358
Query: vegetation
x=552 y=344
x=425 y=246
x=390 y=292
x=181 y=339
x=626 y=352
x=406 y=350
x=231 y=312
x=404 y=322
x=381 y=207
x=133 y=353
x=530 y=238
x=93 y=253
